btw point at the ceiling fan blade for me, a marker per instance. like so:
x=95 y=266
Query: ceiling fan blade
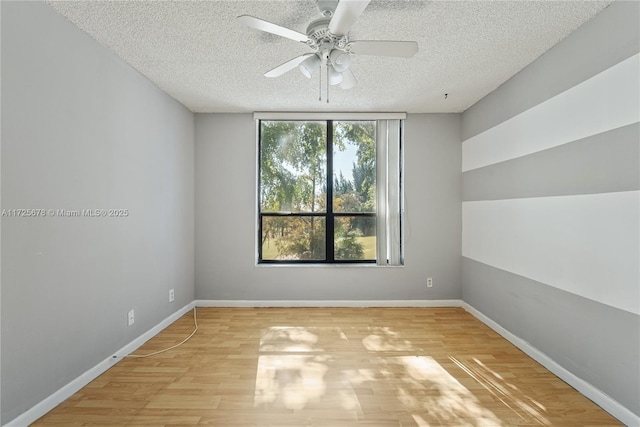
x=348 y=80
x=287 y=66
x=401 y=49
x=346 y=14
x=262 y=25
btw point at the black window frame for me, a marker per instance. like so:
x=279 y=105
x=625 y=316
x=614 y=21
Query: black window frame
x=329 y=214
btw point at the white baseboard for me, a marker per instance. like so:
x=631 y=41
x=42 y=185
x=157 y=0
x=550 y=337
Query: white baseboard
x=603 y=400
x=68 y=390
x=328 y=303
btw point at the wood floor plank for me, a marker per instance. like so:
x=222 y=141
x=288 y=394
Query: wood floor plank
x=329 y=367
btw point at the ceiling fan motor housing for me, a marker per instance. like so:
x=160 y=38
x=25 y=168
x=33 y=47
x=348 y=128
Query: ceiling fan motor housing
x=320 y=37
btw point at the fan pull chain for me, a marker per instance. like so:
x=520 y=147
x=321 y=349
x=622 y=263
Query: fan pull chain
x=327 y=82
x=320 y=83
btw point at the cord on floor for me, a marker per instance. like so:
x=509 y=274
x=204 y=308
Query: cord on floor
x=139 y=356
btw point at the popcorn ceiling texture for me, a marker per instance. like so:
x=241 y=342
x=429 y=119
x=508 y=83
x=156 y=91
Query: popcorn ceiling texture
x=197 y=52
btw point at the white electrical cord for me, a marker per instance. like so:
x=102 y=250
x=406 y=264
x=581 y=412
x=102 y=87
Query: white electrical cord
x=195 y=322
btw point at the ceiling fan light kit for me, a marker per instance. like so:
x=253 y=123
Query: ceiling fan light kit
x=340 y=60
x=334 y=77
x=348 y=80
x=328 y=38
x=310 y=66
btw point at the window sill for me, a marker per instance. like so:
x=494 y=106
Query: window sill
x=325 y=265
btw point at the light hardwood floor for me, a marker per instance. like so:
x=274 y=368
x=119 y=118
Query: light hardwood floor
x=329 y=367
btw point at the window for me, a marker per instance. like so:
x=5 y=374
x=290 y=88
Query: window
x=320 y=198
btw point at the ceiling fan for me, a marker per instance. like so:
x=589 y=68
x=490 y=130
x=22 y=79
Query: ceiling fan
x=331 y=48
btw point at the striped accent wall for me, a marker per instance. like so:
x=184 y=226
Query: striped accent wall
x=551 y=206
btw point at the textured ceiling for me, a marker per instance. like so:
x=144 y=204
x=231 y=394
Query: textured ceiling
x=197 y=52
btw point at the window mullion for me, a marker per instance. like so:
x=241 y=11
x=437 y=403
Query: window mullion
x=329 y=223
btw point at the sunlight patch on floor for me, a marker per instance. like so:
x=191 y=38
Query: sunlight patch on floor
x=434 y=396
x=288 y=339
x=294 y=373
x=522 y=405
x=291 y=381
x=385 y=339
x=301 y=368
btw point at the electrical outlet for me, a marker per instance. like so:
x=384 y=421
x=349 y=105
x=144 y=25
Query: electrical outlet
x=429 y=282
x=171 y=295
x=131 y=317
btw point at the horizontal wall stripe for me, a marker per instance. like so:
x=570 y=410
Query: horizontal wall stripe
x=603 y=163
x=596 y=342
x=608 y=39
x=585 y=244
x=606 y=101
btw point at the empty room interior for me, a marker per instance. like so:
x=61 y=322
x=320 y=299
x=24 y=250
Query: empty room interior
x=320 y=213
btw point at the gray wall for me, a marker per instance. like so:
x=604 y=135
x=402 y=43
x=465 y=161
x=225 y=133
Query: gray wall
x=226 y=221
x=550 y=242
x=81 y=129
